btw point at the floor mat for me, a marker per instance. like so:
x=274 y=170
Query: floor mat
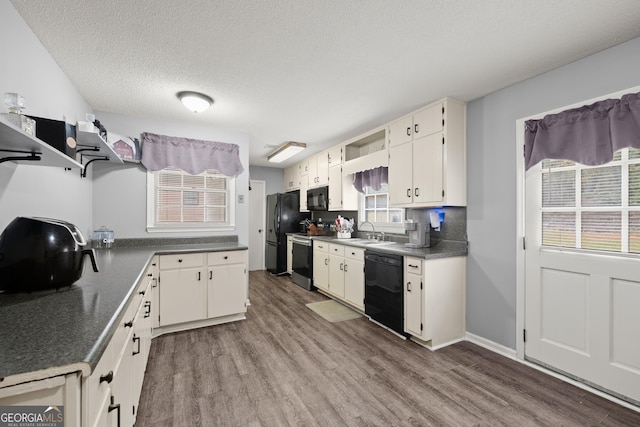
x=333 y=311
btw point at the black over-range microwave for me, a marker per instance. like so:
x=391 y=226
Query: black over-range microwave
x=318 y=199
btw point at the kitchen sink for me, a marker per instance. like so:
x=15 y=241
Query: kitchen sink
x=371 y=242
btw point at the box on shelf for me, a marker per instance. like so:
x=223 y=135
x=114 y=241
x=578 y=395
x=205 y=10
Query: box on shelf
x=60 y=135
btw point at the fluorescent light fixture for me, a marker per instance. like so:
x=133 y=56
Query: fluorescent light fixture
x=195 y=101
x=287 y=150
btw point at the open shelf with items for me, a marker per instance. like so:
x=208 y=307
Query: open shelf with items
x=18 y=146
x=366 y=151
x=93 y=147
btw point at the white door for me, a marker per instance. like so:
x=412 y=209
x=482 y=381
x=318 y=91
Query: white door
x=257 y=218
x=582 y=313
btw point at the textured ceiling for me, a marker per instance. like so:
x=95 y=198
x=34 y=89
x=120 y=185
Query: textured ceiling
x=316 y=71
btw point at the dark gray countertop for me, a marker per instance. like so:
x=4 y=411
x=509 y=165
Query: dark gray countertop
x=442 y=249
x=55 y=332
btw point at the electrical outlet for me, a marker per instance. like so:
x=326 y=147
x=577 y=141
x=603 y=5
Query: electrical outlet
x=240 y=198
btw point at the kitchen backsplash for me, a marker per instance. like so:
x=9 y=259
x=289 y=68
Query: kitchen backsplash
x=454 y=226
x=331 y=216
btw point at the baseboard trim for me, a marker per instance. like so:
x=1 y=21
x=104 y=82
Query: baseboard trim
x=511 y=354
x=196 y=324
x=491 y=345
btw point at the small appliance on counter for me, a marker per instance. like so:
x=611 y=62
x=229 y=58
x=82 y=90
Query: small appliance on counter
x=41 y=253
x=418 y=236
x=103 y=237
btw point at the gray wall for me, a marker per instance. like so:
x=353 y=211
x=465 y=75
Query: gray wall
x=120 y=193
x=273 y=177
x=491 y=184
x=28 y=69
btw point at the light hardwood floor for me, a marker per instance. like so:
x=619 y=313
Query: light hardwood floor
x=285 y=365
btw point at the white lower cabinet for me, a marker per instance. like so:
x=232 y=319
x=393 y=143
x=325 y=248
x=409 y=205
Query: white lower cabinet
x=201 y=289
x=290 y=254
x=227 y=283
x=182 y=288
x=434 y=300
x=336 y=270
x=321 y=265
x=339 y=271
x=354 y=276
x=62 y=390
x=111 y=393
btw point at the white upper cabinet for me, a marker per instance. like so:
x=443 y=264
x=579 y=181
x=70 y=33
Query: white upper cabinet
x=319 y=170
x=292 y=178
x=335 y=156
x=427 y=157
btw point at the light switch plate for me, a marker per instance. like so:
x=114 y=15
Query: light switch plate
x=240 y=198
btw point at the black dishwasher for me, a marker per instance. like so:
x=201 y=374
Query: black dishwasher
x=383 y=292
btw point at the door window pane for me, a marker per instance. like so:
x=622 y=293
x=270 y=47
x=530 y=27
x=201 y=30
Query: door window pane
x=602 y=231
x=602 y=186
x=559 y=229
x=634 y=232
x=559 y=189
x=634 y=184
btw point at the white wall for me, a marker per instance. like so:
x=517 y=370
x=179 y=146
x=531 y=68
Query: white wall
x=119 y=192
x=273 y=177
x=491 y=182
x=28 y=69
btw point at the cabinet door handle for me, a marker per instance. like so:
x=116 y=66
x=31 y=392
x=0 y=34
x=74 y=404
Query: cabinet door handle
x=198 y=276
x=326 y=261
x=147 y=305
x=409 y=131
x=226 y=257
x=417 y=191
x=210 y=274
x=179 y=259
x=116 y=407
x=128 y=324
x=341 y=266
x=345 y=268
x=107 y=378
x=141 y=293
x=408 y=192
x=135 y=338
x=408 y=286
x=150 y=275
x=415 y=128
x=155 y=283
x=412 y=266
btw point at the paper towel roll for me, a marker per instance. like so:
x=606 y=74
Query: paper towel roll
x=434 y=218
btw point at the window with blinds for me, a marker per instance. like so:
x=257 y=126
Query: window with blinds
x=592 y=207
x=375 y=207
x=183 y=201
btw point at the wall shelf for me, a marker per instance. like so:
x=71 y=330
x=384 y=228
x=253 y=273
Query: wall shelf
x=19 y=147
x=94 y=148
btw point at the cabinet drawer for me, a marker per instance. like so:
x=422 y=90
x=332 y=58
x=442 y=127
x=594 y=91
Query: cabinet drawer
x=320 y=246
x=336 y=249
x=354 y=253
x=413 y=265
x=180 y=261
x=222 y=258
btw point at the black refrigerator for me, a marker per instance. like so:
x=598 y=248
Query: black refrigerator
x=283 y=216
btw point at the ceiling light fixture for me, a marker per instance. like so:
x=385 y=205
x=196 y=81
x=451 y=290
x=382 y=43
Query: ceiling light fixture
x=286 y=150
x=195 y=101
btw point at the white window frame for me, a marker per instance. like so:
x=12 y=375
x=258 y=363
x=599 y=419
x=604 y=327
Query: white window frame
x=624 y=209
x=387 y=227
x=153 y=227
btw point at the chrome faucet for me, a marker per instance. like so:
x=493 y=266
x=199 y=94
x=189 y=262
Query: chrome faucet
x=373 y=228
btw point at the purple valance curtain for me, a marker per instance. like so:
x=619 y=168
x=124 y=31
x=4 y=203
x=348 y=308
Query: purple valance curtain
x=190 y=155
x=373 y=178
x=588 y=135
